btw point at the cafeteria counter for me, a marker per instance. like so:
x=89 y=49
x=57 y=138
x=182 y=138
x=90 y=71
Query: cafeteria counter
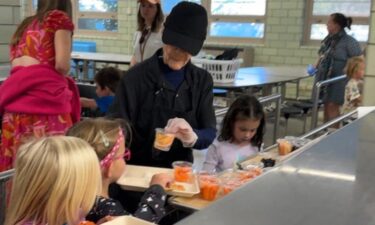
x=330 y=182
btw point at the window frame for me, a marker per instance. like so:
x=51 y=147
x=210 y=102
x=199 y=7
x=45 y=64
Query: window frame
x=311 y=19
x=232 y=18
x=76 y=14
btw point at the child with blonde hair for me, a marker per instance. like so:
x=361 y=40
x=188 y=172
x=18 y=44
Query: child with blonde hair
x=56 y=181
x=355 y=70
x=108 y=140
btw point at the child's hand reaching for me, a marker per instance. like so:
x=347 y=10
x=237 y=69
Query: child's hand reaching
x=163 y=179
x=182 y=130
x=105 y=219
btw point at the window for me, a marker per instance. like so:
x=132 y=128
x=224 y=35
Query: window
x=93 y=16
x=231 y=20
x=319 y=11
x=169 y=4
x=97 y=15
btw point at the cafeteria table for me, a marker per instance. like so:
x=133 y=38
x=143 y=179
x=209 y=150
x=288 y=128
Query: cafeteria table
x=249 y=77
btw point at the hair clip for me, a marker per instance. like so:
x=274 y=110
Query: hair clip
x=104 y=139
x=108 y=159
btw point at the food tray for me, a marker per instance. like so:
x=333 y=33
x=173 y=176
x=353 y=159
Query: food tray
x=137 y=178
x=127 y=220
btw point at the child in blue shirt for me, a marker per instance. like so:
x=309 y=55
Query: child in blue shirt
x=106 y=81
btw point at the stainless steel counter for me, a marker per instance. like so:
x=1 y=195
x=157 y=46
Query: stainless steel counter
x=331 y=182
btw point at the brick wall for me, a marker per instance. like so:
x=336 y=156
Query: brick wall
x=122 y=41
x=283 y=37
x=283 y=34
x=9 y=17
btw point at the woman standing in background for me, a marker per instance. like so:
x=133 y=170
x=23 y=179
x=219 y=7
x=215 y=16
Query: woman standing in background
x=334 y=52
x=38 y=99
x=147 y=38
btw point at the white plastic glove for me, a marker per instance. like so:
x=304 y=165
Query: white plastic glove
x=182 y=130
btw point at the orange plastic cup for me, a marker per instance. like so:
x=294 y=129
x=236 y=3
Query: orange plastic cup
x=86 y=223
x=163 y=141
x=209 y=186
x=230 y=185
x=182 y=171
x=248 y=174
x=285 y=147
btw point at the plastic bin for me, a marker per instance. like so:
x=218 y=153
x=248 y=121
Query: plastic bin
x=222 y=71
x=84 y=46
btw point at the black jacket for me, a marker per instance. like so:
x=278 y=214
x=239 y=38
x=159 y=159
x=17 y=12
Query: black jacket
x=150 y=208
x=146 y=100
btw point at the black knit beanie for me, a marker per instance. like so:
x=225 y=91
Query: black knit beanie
x=186 y=27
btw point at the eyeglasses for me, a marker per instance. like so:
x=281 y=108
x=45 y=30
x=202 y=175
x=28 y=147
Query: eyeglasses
x=127 y=155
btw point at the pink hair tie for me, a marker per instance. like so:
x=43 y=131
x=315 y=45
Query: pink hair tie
x=109 y=158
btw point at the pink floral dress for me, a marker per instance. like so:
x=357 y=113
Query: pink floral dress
x=17 y=127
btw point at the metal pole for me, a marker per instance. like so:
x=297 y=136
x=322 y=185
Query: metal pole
x=314 y=113
x=317 y=130
x=277 y=99
x=328 y=124
x=4 y=177
x=277 y=119
x=318 y=85
x=220 y=112
x=6 y=174
x=269 y=98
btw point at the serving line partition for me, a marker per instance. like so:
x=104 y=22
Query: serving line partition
x=316 y=94
x=319 y=129
x=329 y=182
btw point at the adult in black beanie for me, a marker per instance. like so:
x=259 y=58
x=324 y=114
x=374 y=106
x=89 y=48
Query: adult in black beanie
x=168 y=91
x=186 y=27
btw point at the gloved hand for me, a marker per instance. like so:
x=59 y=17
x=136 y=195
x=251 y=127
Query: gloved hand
x=311 y=70
x=182 y=130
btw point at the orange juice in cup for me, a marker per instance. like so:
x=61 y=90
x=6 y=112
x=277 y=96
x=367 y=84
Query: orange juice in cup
x=163 y=140
x=285 y=147
x=182 y=171
x=209 y=186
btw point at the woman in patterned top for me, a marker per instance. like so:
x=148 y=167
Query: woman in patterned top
x=108 y=141
x=334 y=52
x=38 y=99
